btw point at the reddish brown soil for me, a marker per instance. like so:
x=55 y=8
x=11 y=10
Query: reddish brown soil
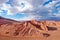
x=29 y=30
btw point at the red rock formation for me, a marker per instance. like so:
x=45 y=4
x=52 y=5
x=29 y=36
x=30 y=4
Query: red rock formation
x=27 y=28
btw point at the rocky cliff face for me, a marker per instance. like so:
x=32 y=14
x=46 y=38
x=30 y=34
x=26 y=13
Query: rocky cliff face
x=26 y=28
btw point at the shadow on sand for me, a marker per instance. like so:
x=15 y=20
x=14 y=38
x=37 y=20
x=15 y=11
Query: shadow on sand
x=51 y=28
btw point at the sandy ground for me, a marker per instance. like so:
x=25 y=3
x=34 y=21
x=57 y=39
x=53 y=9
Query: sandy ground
x=22 y=38
x=54 y=35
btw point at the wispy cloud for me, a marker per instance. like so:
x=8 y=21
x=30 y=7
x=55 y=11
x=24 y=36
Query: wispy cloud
x=3 y=1
x=35 y=9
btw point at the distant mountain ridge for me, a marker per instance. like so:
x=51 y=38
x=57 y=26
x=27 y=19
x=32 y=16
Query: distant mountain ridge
x=1 y=18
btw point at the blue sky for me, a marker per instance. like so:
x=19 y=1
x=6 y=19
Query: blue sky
x=30 y=9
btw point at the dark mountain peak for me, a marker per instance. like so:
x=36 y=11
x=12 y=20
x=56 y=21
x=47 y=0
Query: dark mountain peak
x=7 y=19
x=1 y=17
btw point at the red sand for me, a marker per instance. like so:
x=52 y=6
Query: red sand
x=29 y=30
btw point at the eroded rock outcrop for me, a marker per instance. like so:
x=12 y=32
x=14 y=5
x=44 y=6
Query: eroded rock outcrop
x=26 y=28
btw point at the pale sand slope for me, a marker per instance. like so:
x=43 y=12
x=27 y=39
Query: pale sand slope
x=55 y=35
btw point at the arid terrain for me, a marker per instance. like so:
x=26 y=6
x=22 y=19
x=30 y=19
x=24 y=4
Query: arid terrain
x=29 y=30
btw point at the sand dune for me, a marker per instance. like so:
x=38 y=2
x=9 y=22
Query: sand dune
x=29 y=30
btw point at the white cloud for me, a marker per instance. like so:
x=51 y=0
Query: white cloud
x=58 y=14
x=5 y=6
x=12 y=11
x=3 y=1
x=30 y=7
x=52 y=6
x=24 y=5
x=16 y=9
x=27 y=18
